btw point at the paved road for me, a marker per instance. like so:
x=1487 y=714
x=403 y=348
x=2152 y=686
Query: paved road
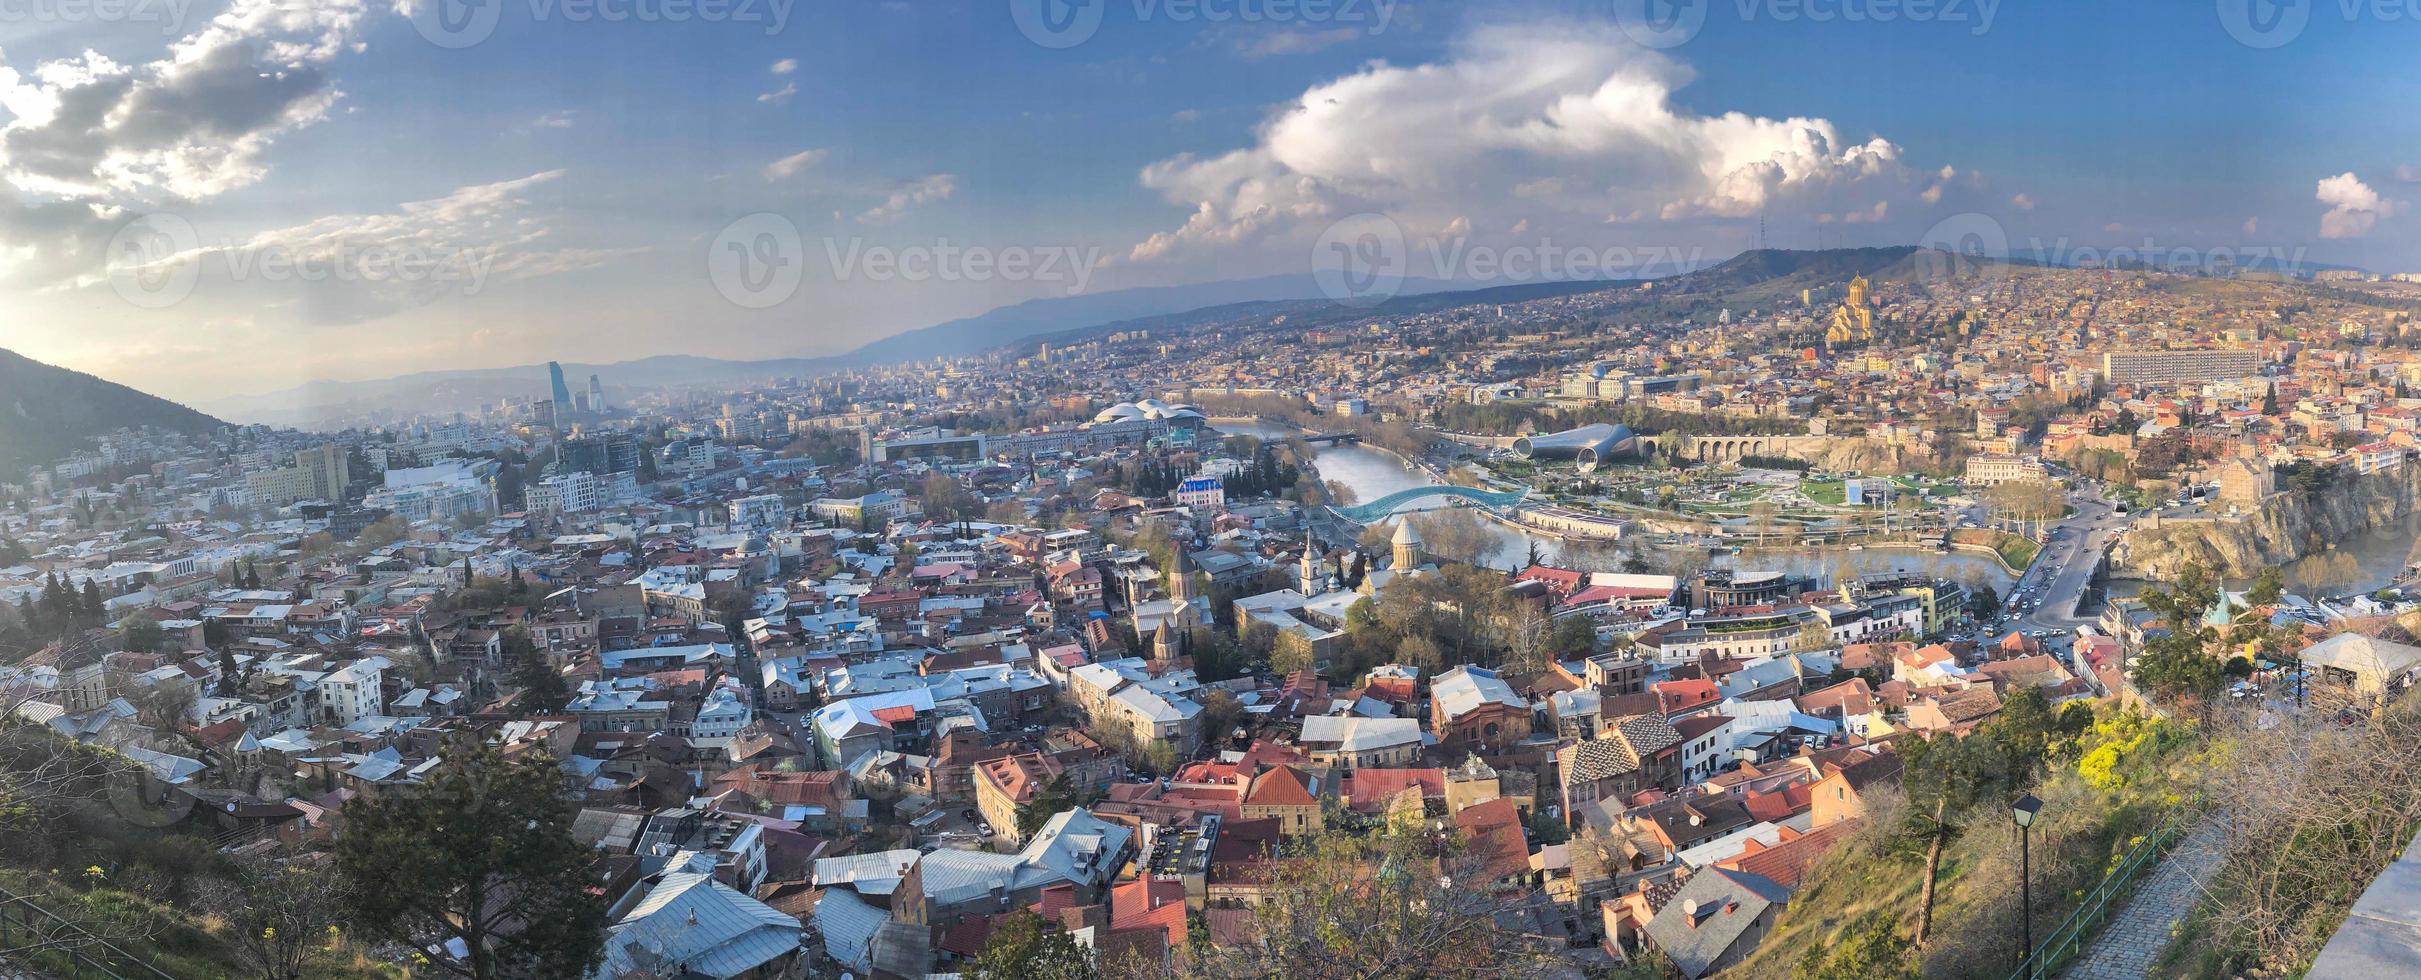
x=2067 y=564
x=2134 y=937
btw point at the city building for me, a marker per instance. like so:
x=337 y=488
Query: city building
x=2174 y=366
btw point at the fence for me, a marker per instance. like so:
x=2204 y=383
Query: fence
x=2078 y=929
x=36 y=942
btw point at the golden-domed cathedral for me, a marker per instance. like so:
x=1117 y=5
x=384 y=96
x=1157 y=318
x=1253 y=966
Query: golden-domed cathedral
x=1854 y=319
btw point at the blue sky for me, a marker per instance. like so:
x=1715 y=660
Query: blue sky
x=757 y=181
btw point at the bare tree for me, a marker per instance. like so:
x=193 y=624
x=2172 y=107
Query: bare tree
x=1409 y=902
x=51 y=785
x=279 y=911
x=2318 y=805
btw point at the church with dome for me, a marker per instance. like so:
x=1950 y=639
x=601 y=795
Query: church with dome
x=1853 y=321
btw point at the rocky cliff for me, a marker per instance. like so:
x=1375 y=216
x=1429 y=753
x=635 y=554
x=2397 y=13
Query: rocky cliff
x=1872 y=456
x=2286 y=527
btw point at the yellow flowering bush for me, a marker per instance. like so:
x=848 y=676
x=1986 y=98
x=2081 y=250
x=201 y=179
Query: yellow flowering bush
x=2100 y=768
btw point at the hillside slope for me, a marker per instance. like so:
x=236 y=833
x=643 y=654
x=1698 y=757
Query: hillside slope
x=47 y=412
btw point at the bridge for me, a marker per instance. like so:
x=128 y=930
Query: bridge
x=1724 y=449
x=1377 y=510
x=1333 y=438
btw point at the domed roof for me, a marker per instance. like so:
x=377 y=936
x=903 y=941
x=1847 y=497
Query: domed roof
x=1121 y=412
x=1404 y=534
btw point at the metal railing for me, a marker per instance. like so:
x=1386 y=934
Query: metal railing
x=2081 y=925
x=35 y=941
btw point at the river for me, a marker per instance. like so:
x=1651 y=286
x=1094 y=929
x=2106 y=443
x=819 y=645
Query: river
x=2379 y=556
x=1372 y=473
x=2380 y=552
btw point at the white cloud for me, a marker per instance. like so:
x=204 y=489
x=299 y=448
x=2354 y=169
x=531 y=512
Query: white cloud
x=2408 y=174
x=779 y=96
x=2354 y=208
x=554 y=120
x=794 y=164
x=470 y=239
x=91 y=140
x=190 y=125
x=1933 y=194
x=2022 y=203
x=785 y=66
x=1532 y=121
x=935 y=187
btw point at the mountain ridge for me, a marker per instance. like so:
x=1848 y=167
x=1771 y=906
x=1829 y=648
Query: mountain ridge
x=50 y=411
x=1054 y=319
x=455 y=389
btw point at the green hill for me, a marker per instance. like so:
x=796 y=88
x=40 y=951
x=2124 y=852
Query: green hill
x=48 y=412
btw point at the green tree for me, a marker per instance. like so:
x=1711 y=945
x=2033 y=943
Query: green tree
x=90 y=607
x=1573 y=636
x=139 y=633
x=2176 y=667
x=1055 y=795
x=1220 y=713
x=1287 y=658
x=1940 y=775
x=1025 y=946
x=1162 y=758
x=2181 y=665
x=543 y=689
x=483 y=855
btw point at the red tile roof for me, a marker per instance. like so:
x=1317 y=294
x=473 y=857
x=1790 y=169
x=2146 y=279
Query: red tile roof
x=1786 y=862
x=1150 y=903
x=1494 y=830
x=1282 y=786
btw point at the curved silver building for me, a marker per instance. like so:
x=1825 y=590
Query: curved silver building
x=1588 y=446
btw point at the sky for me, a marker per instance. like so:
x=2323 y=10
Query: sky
x=203 y=198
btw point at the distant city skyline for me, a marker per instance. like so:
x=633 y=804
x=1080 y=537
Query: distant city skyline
x=247 y=197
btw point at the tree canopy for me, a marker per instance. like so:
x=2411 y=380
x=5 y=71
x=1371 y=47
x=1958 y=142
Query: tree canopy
x=481 y=855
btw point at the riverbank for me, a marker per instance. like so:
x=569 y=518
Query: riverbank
x=2365 y=516
x=1370 y=472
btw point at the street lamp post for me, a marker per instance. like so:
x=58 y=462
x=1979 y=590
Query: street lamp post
x=2023 y=812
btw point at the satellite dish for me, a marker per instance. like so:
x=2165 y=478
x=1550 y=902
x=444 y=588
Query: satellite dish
x=1689 y=908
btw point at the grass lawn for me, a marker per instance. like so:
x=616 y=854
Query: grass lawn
x=2017 y=550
